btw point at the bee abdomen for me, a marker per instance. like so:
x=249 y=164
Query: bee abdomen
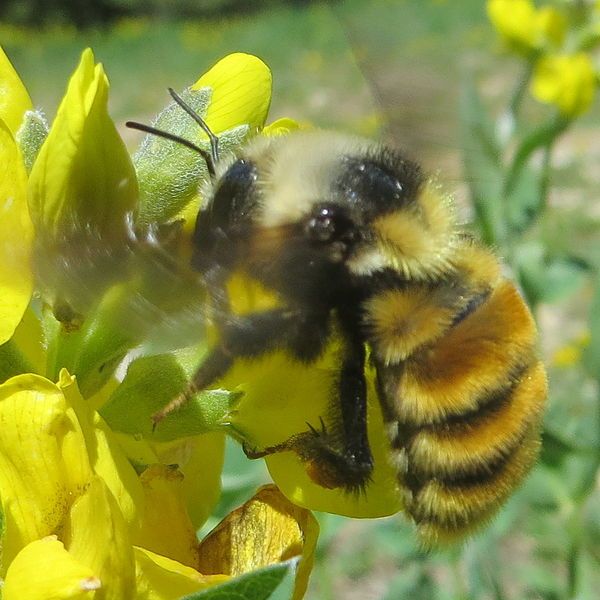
x=477 y=441
x=446 y=510
x=463 y=416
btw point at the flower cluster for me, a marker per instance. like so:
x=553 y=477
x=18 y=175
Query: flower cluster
x=94 y=503
x=557 y=44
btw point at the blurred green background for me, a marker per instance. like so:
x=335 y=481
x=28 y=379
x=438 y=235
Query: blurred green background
x=397 y=70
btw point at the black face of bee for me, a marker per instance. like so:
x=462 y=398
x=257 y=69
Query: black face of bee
x=231 y=208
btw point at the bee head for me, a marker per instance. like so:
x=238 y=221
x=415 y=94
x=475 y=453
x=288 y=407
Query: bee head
x=319 y=204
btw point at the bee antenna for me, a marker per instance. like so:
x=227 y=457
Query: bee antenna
x=208 y=159
x=214 y=140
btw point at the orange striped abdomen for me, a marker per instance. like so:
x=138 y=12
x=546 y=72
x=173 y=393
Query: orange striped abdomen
x=463 y=416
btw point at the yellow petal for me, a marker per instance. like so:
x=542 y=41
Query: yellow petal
x=166 y=528
x=266 y=530
x=241 y=85
x=43 y=460
x=524 y=27
x=96 y=535
x=513 y=19
x=44 y=570
x=160 y=578
x=200 y=460
x=567 y=81
x=106 y=456
x=83 y=175
x=16 y=235
x=28 y=338
x=282 y=126
x=14 y=99
x=280 y=397
x=551 y=25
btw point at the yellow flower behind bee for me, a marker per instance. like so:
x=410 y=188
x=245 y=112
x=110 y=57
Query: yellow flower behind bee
x=525 y=28
x=241 y=92
x=567 y=81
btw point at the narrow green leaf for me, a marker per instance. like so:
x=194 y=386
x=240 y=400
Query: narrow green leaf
x=525 y=201
x=482 y=164
x=547 y=278
x=262 y=584
x=591 y=355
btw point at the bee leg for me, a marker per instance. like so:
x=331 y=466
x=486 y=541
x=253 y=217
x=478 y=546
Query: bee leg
x=248 y=336
x=338 y=456
x=213 y=367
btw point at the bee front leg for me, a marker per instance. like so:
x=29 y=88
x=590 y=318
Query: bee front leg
x=338 y=456
x=248 y=336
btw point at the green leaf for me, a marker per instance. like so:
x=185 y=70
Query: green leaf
x=150 y=383
x=413 y=582
x=525 y=201
x=591 y=354
x=274 y=582
x=482 y=164
x=547 y=278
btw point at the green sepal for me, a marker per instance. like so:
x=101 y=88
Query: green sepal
x=90 y=347
x=31 y=135
x=275 y=582
x=150 y=383
x=169 y=173
x=12 y=361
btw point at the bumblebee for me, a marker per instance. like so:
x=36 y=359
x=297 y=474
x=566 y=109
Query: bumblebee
x=356 y=242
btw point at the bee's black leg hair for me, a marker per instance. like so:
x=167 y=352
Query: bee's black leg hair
x=339 y=456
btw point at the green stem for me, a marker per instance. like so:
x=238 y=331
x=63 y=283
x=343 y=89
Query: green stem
x=541 y=137
x=520 y=89
x=545 y=175
x=572 y=570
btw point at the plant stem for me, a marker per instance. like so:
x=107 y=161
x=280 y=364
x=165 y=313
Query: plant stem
x=519 y=91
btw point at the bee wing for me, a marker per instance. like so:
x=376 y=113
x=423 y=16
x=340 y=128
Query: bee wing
x=146 y=283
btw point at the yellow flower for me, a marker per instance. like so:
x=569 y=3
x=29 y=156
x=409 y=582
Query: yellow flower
x=79 y=521
x=16 y=234
x=567 y=81
x=241 y=92
x=570 y=354
x=233 y=98
x=280 y=396
x=78 y=518
x=83 y=176
x=14 y=99
x=525 y=28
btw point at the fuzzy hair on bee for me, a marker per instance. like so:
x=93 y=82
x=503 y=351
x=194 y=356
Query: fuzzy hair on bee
x=355 y=241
